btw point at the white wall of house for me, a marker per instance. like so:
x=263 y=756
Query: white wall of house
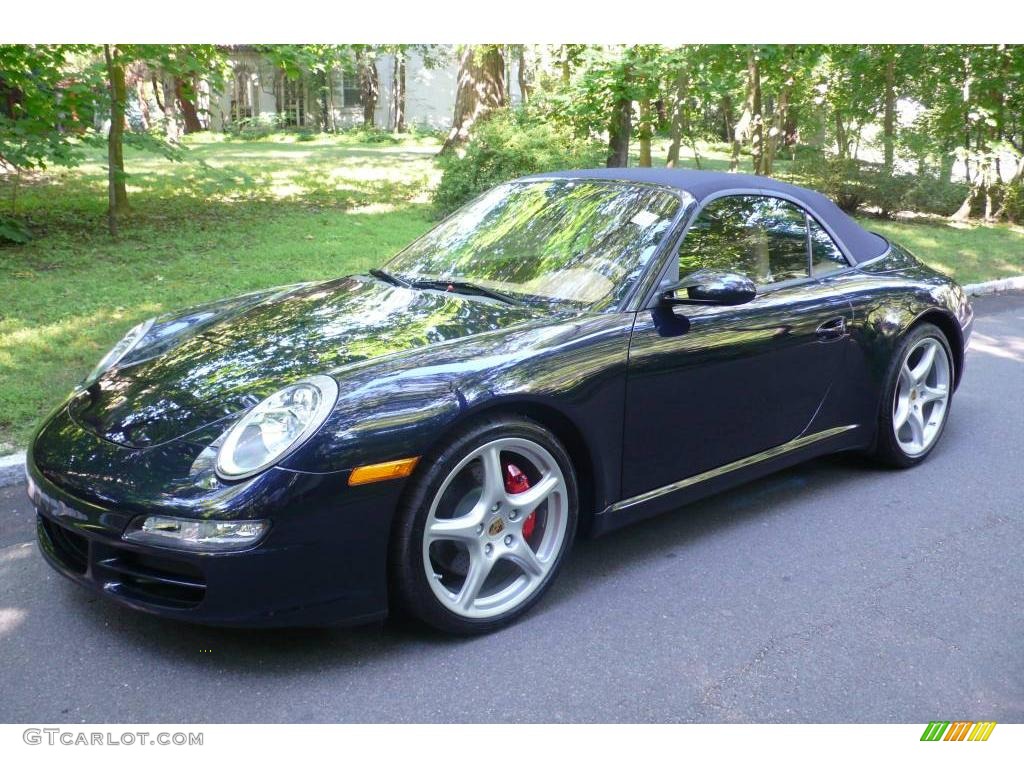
x=429 y=93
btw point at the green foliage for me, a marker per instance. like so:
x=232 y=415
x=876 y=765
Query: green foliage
x=255 y=128
x=47 y=102
x=508 y=144
x=13 y=232
x=1013 y=202
x=855 y=185
x=929 y=194
x=368 y=135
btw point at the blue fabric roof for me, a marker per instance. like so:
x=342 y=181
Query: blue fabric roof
x=857 y=241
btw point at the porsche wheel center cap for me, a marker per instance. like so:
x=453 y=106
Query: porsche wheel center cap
x=496 y=527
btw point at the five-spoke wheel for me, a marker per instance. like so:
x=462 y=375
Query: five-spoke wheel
x=488 y=524
x=919 y=389
x=919 y=406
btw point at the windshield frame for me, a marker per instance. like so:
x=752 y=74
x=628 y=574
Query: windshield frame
x=611 y=302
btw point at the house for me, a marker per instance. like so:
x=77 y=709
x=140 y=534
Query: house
x=259 y=91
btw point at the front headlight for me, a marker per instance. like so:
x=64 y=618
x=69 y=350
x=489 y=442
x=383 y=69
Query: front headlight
x=275 y=427
x=196 y=535
x=119 y=350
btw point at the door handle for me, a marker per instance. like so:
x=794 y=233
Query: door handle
x=832 y=329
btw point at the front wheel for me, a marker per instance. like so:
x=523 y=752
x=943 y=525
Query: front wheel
x=917 y=397
x=485 y=527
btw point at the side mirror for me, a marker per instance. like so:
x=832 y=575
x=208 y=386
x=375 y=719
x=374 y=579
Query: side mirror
x=708 y=286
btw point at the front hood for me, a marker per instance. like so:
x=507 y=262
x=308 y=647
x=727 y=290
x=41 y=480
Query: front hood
x=242 y=351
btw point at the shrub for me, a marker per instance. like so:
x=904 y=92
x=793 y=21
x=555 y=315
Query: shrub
x=854 y=185
x=839 y=179
x=252 y=128
x=1013 y=202
x=928 y=194
x=365 y=135
x=508 y=144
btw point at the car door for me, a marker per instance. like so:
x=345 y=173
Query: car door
x=709 y=385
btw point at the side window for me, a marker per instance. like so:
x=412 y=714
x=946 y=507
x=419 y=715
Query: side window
x=825 y=254
x=764 y=238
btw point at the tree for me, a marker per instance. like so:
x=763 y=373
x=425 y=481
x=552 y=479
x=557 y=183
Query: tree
x=679 y=65
x=369 y=82
x=117 y=194
x=179 y=62
x=751 y=124
x=480 y=90
x=646 y=71
x=398 y=92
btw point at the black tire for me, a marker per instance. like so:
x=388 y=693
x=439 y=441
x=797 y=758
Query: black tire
x=887 y=449
x=411 y=593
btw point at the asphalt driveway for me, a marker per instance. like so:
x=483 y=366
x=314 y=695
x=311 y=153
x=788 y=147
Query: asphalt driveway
x=832 y=592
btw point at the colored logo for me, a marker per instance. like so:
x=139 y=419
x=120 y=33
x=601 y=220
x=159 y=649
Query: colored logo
x=961 y=730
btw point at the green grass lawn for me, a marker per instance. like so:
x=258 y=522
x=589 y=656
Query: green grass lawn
x=235 y=216
x=969 y=253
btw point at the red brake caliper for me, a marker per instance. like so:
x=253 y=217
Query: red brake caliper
x=517 y=482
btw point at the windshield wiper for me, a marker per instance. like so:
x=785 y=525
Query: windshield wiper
x=387 y=277
x=463 y=286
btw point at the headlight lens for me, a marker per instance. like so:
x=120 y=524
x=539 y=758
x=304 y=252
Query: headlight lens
x=196 y=535
x=276 y=427
x=119 y=350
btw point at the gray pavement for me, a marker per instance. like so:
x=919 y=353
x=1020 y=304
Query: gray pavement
x=833 y=592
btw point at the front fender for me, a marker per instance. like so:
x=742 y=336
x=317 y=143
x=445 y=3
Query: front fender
x=574 y=368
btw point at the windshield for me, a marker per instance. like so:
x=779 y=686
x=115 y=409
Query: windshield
x=551 y=239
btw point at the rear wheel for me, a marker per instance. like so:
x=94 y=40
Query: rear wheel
x=917 y=398
x=485 y=527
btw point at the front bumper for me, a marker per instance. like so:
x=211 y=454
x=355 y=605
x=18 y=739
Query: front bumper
x=324 y=561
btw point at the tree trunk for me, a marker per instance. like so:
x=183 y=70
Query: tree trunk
x=679 y=122
x=967 y=119
x=480 y=90
x=777 y=133
x=524 y=81
x=332 y=124
x=117 y=195
x=842 y=144
x=170 y=108
x=754 y=106
x=619 y=128
x=566 y=68
x=645 y=133
x=732 y=132
x=189 y=114
x=140 y=95
x=618 y=134
x=398 y=93
x=369 y=82
x=889 y=119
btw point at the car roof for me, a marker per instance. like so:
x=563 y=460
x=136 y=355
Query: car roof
x=860 y=244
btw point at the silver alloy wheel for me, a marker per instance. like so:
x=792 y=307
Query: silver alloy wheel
x=488 y=528
x=922 y=396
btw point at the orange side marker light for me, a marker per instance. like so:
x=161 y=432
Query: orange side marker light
x=388 y=470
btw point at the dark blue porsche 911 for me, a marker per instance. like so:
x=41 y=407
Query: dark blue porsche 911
x=566 y=354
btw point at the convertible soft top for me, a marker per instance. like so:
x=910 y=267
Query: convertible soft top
x=858 y=243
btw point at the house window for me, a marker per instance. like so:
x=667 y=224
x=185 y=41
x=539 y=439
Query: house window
x=291 y=100
x=245 y=100
x=352 y=94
